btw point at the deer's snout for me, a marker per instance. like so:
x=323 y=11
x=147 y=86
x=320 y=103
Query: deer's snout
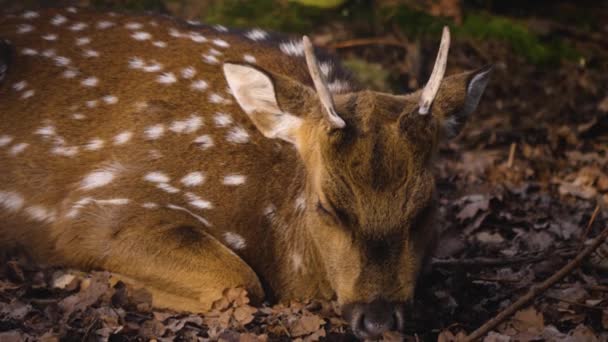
x=371 y=320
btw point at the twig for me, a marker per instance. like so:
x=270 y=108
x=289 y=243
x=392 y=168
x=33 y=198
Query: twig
x=481 y=262
x=511 y=155
x=535 y=290
x=367 y=41
x=589 y=224
x=573 y=303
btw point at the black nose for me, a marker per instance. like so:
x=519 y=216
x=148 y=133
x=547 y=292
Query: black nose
x=371 y=320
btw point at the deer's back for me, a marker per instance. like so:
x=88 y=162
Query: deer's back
x=133 y=111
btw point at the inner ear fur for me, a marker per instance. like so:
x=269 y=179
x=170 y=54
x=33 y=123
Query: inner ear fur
x=458 y=97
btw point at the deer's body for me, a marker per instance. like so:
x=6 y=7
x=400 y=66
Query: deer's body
x=122 y=147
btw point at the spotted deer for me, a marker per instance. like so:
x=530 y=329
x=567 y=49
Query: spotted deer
x=192 y=158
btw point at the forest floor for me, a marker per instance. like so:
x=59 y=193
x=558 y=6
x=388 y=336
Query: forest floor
x=523 y=189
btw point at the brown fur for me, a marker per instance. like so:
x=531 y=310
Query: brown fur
x=345 y=214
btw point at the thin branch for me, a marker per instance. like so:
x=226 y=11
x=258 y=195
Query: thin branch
x=589 y=224
x=367 y=41
x=483 y=262
x=538 y=289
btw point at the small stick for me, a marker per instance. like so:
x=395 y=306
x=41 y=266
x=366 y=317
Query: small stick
x=481 y=262
x=367 y=41
x=535 y=290
x=511 y=155
x=589 y=224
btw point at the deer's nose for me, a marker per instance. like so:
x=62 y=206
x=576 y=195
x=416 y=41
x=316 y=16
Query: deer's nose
x=371 y=320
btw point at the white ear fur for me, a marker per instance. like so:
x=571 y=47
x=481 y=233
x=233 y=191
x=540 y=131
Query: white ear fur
x=254 y=91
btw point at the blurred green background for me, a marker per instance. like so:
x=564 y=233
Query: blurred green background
x=542 y=33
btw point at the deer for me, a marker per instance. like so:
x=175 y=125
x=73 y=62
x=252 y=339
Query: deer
x=194 y=158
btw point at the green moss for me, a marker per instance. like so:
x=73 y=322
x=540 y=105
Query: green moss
x=373 y=75
x=521 y=40
x=268 y=14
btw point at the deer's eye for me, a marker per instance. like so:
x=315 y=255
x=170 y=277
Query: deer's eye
x=321 y=209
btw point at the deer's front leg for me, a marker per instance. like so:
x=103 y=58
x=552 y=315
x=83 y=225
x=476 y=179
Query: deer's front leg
x=166 y=250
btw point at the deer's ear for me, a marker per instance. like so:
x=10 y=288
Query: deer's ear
x=458 y=97
x=272 y=102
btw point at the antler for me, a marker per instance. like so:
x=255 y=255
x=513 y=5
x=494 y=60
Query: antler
x=334 y=120
x=432 y=86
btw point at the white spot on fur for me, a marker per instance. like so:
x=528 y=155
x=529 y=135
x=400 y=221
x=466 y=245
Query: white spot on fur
x=122 y=138
x=300 y=203
x=188 y=72
x=40 y=214
x=78 y=116
x=199 y=218
x=160 y=44
x=215 y=52
x=237 y=135
x=167 y=188
x=46 y=131
x=204 y=141
x=270 y=211
x=154 y=66
x=175 y=33
x=154 y=132
x=62 y=61
x=190 y=125
x=88 y=53
x=19 y=86
x=133 y=26
x=256 y=34
x=156 y=177
x=210 y=59
x=197 y=202
x=220 y=28
x=5 y=140
x=297 y=262
x=193 y=179
x=28 y=93
x=249 y=58
x=221 y=43
x=83 y=41
x=90 y=81
x=91 y=103
x=136 y=63
x=197 y=37
x=167 y=78
x=326 y=68
x=18 y=148
x=338 y=86
x=98 y=178
x=104 y=24
x=69 y=73
x=216 y=98
x=50 y=37
x=292 y=48
x=94 y=144
x=150 y=205
x=110 y=99
x=199 y=85
x=24 y=28
x=141 y=35
x=112 y=201
x=78 y=27
x=30 y=15
x=48 y=53
x=222 y=119
x=11 y=201
x=234 y=240
x=65 y=151
x=234 y=179
x=29 y=52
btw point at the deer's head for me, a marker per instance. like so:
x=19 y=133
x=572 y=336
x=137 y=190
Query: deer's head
x=370 y=185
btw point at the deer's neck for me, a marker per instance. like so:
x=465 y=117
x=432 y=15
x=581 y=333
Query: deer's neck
x=301 y=273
